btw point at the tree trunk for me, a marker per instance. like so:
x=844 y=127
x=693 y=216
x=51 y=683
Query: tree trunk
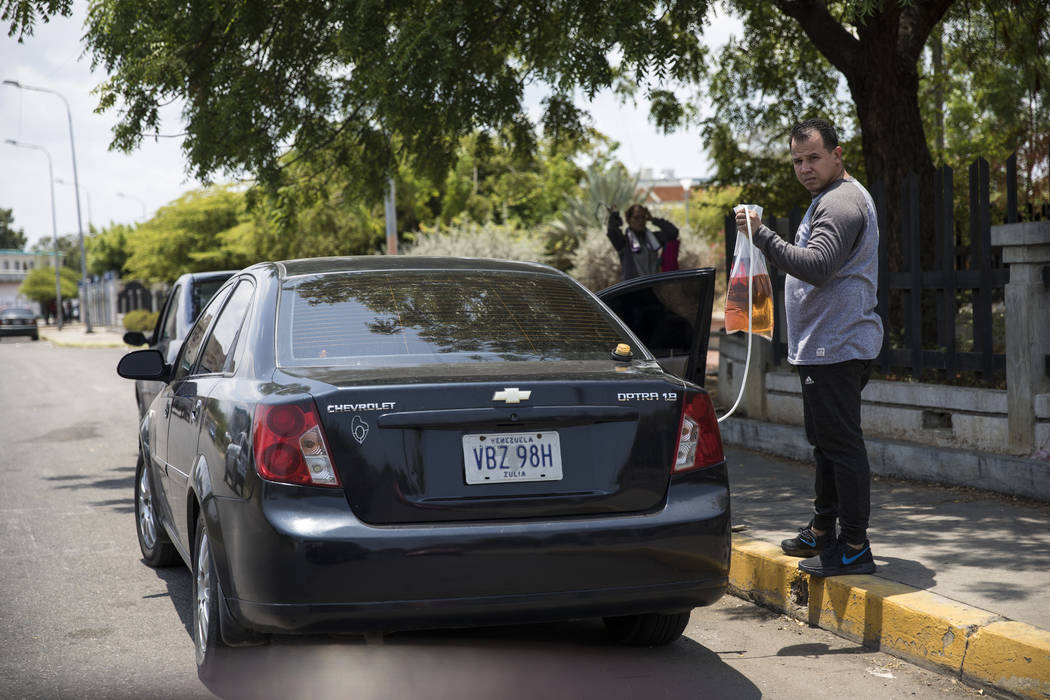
x=880 y=63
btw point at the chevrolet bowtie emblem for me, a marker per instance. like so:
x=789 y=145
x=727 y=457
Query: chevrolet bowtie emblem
x=512 y=395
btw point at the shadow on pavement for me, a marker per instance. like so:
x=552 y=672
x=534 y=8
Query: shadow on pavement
x=561 y=659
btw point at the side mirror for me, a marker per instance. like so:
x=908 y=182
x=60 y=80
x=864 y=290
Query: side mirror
x=135 y=338
x=142 y=364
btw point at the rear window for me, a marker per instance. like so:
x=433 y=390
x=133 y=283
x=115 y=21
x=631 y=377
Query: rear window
x=426 y=317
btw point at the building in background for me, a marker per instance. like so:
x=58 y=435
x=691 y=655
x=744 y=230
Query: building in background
x=14 y=266
x=668 y=192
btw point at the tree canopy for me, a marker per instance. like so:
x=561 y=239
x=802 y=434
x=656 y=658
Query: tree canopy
x=68 y=247
x=370 y=83
x=993 y=80
x=11 y=238
x=290 y=93
x=39 y=284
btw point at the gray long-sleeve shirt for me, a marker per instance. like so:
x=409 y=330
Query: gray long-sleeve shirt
x=832 y=277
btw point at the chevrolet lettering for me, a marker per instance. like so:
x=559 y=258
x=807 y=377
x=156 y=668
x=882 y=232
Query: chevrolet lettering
x=352 y=407
x=381 y=443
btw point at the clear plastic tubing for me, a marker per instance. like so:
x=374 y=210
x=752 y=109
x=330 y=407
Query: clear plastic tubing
x=747 y=362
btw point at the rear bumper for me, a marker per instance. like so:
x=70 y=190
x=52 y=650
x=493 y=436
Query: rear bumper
x=8 y=331
x=304 y=565
x=473 y=611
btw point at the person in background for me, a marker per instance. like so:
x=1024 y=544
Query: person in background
x=834 y=332
x=641 y=251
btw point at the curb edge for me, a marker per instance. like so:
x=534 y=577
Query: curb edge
x=921 y=627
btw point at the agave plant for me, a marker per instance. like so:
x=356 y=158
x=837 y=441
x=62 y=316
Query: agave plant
x=601 y=190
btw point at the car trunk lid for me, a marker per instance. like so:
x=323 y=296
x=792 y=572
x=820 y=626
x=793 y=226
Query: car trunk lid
x=515 y=448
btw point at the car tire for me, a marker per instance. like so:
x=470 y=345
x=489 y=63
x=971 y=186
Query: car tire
x=207 y=636
x=649 y=629
x=35 y=337
x=157 y=549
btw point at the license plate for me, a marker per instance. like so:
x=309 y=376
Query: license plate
x=503 y=457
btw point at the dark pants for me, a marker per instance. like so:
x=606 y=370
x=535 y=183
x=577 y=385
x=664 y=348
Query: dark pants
x=831 y=406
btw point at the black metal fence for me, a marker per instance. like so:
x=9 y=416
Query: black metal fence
x=963 y=286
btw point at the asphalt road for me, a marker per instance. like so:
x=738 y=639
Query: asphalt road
x=82 y=617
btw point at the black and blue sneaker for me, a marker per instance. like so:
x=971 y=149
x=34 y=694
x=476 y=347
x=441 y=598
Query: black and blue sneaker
x=840 y=560
x=807 y=543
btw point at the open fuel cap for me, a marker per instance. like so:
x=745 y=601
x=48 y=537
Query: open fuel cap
x=622 y=352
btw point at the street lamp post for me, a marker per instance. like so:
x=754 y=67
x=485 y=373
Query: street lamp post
x=54 y=227
x=76 y=187
x=134 y=199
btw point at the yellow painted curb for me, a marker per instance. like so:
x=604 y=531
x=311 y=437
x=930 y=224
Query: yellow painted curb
x=916 y=625
x=762 y=573
x=923 y=627
x=1013 y=656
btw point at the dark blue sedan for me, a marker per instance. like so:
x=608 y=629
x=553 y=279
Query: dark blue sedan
x=378 y=443
x=16 y=321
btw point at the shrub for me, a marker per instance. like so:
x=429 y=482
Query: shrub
x=140 y=320
x=480 y=241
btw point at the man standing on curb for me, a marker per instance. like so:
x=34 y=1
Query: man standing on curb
x=833 y=335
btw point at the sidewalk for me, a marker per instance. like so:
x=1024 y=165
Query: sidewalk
x=75 y=335
x=962 y=578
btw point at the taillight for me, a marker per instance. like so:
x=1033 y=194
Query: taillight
x=699 y=442
x=290 y=446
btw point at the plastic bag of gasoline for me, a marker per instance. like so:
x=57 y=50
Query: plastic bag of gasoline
x=747 y=257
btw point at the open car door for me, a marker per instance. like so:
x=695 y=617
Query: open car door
x=671 y=313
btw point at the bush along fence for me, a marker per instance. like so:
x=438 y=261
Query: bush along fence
x=925 y=309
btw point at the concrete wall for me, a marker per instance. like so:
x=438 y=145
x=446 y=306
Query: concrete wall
x=930 y=414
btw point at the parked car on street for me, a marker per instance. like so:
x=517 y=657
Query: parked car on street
x=16 y=321
x=187 y=297
x=373 y=444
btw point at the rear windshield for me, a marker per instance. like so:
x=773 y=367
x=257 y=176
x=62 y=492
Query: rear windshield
x=427 y=317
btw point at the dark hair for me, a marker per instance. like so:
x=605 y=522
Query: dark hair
x=631 y=209
x=802 y=129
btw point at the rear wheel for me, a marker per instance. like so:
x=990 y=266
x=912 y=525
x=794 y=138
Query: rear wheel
x=649 y=629
x=157 y=549
x=207 y=639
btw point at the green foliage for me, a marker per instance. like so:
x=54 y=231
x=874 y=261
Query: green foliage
x=22 y=15
x=374 y=84
x=764 y=82
x=297 y=223
x=491 y=179
x=140 y=320
x=202 y=230
x=991 y=103
x=11 y=238
x=107 y=250
x=39 y=284
x=68 y=246
x=707 y=210
x=487 y=240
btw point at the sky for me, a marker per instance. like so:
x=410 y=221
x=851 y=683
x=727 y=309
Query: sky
x=129 y=188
